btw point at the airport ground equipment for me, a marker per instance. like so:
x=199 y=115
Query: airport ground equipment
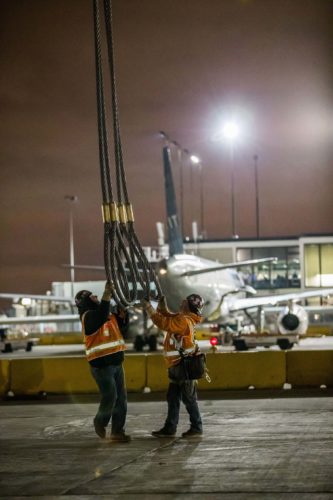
x=11 y=341
x=126 y=265
x=219 y=335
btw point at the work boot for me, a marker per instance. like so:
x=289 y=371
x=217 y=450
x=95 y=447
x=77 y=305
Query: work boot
x=191 y=433
x=120 y=437
x=99 y=429
x=163 y=433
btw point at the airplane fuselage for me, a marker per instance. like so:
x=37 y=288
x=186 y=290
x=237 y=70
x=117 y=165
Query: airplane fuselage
x=212 y=286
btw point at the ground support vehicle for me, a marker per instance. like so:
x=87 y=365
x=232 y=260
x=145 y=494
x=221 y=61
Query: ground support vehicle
x=252 y=340
x=242 y=341
x=19 y=339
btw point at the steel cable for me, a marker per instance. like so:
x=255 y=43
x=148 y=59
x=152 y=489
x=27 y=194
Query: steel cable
x=124 y=259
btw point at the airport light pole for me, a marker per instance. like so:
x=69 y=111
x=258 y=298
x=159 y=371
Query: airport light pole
x=230 y=132
x=255 y=162
x=198 y=162
x=71 y=199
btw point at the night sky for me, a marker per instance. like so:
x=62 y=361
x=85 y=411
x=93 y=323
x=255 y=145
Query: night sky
x=183 y=66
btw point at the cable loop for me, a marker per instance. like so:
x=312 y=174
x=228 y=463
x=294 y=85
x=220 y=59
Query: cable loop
x=125 y=262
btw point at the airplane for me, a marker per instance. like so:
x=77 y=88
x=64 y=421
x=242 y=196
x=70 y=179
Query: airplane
x=222 y=286
x=227 y=296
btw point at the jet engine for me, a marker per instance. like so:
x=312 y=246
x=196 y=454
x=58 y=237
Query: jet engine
x=293 y=319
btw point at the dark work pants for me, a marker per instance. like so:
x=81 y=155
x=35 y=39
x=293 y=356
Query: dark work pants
x=111 y=383
x=186 y=391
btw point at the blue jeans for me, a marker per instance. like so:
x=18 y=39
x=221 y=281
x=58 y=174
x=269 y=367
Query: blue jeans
x=185 y=390
x=113 y=406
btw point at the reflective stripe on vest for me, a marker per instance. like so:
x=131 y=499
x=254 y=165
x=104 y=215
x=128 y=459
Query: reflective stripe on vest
x=107 y=345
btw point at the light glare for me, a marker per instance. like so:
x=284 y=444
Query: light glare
x=230 y=131
x=195 y=159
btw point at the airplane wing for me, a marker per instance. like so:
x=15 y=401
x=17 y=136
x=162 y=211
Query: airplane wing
x=228 y=266
x=47 y=318
x=52 y=298
x=84 y=266
x=272 y=300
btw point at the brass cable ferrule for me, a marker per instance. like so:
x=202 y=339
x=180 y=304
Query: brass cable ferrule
x=130 y=213
x=114 y=212
x=122 y=213
x=106 y=212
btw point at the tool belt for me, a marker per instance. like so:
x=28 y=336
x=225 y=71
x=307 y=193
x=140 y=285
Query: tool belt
x=191 y=367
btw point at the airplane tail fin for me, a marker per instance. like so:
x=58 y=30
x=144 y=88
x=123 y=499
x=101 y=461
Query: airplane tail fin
x=174 y=231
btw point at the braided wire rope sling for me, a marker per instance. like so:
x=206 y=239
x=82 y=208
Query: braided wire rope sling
x=124 y=259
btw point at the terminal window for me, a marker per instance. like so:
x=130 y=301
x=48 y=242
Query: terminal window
x=285 y=273
x=318 y=263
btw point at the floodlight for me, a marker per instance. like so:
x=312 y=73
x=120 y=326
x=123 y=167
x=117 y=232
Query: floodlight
x=194 y=159
x=230 y=131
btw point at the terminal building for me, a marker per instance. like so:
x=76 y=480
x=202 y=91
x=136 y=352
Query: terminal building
x=304 y=262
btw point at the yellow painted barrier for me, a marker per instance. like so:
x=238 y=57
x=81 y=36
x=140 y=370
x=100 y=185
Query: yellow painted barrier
x=68 y=375
x=319 y=330
x=4 y=376
x=233 y=370
x=157 y=375
x=52 y=375
x=135 y=372
x=310 y=368
x=60 y=339
x=240 y=370
x=263 y=370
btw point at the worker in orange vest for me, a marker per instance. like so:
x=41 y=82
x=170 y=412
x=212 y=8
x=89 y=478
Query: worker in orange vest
x=180 y=336
x=105 y=347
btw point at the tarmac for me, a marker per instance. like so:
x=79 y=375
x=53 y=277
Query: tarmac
x=252 y=447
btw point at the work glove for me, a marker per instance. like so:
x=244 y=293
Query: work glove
x=122 y=312
x=144 y=303
x=163 y=307
x=147 y=306
x=162 y=304
x=108 y=291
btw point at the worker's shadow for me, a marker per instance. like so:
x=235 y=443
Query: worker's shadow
x=179 y=449
x=189 y=444
x=183 y=456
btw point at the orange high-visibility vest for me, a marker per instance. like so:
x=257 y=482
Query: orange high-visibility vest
x=107 y=340
x=180 y=334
